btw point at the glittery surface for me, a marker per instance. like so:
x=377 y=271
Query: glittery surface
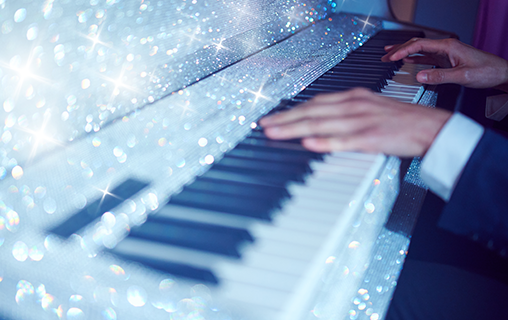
x=97 y=92
x=70 y=68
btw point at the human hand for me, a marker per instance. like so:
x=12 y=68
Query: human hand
x=358 y=120
x=459 y=62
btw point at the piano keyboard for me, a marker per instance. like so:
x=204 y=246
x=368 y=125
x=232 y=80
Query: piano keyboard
x=259 y=224
x=256 y=182
x=256 y=228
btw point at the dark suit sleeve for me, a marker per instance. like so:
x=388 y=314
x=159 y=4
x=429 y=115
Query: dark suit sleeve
x=478 y=207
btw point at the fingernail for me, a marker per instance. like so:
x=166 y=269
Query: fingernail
x=422 y=77
x=264 y=121
x=272 y=131
x=388 y=47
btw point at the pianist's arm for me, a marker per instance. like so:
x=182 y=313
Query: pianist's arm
x=463 y=163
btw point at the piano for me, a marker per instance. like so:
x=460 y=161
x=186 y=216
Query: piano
x=136 y=183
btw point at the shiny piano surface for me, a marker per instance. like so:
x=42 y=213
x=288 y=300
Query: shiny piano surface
x=112 y=108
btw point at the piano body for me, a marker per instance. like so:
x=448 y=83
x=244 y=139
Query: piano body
x=113 y=108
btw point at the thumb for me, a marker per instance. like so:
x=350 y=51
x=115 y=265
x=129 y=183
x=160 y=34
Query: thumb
x=439 y=76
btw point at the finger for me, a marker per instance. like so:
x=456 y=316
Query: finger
x=390 y=50
x=391 y=47
x=317 y=127
x=298 y=113
x=439 y=76
x=416 y=45
x=319 y=106
x=336 y=143
x=362 y=142
x=422 y=60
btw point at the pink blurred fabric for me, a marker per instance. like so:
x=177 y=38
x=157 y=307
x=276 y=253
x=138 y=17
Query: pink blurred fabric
x=491 y=32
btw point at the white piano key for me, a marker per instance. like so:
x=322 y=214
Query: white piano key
x=276 y=248
x=264 y=297
x=272 y=255
x=400 y=98
x=286 y=235
x=332 y=196
x=345 y=178
x=205 y=216
x=355 y=156
x=258 y=277
x=330 y=184
x=409 y=92
x=298 y=224
x=277 y=261
x=347 y=162
x=337 y=169
x=313 y=206
x=396 y=83
x=224 y=219
x=403 y=91
x=299 y=210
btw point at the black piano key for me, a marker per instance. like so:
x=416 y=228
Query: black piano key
x=376 y=57
x=389 y=65
x=317 y=88
x=253 y=177
x=242 y=178
x=369 y=63
x=288 y=103
x=232 y=232
x=261 y=135
x=289 y=148
x=94 y=210
x=353 y=76
x=311 y=93
x=263 y=193
x=387 y=74
x=365 y=56
x=272 y=156
x=252 y=208
x=173 y=268
x=324 y=83
x=268 y=175
x=372 y=57
x=330 y=81
x=300 y=100
x=264 y=165
x=371 y=50
x=194 y=235
x=376 y=68
x=257 y=134
x=304 y=96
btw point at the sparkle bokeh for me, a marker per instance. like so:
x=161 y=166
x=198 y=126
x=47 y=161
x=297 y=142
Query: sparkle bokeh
x=99 y=91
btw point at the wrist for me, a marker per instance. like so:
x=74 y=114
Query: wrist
x=504 y=77
x=448 y=155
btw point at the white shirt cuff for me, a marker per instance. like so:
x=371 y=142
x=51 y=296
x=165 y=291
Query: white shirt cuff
x=449 y=153
x=496 y=107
